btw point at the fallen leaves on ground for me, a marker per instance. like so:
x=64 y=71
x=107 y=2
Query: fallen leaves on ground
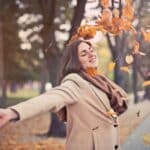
x=146 y=138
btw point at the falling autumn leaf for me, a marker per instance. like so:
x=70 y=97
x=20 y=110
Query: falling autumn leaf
x=104 y=3
x=136 y=47
x=116 y=24
x=146 y=83
x=111 y=66
x=128 y=12
x=115 y=12
x=146 y=35
x=125 y=69
x=86 y=31
x=138 y=113
x=112 y=113
x=129 y=59
x=106 y=15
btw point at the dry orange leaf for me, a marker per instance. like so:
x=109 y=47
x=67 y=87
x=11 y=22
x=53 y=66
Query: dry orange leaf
x=116 y=24
x=129 y=59
x=100 y=28
x=106 y=15
x=111 y=66
x=111 y=112
x=136 y=47
x=128 y=12
x=125 y=69
x=86 y=31
x=104 y=3
x=146 y=83
x=146 y=35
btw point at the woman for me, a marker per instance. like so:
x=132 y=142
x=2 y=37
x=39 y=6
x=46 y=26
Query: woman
x=84 y=99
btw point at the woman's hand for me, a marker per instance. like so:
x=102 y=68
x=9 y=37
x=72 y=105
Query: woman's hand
x=6 y=115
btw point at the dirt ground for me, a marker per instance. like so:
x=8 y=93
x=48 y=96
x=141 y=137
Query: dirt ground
x=22 y=135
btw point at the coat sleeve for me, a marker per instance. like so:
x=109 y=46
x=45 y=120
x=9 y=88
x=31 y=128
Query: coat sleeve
x=53 y=100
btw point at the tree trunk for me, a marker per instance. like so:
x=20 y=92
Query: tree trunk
x=2 y=81
x=56 y=128
x=78 y=16
x=51 y=53
x=44 y=76
x=134 y=79
x=147 y=88
x=117 y=52
x=118 y=76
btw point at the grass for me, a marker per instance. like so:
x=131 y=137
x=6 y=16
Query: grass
x=20 y=95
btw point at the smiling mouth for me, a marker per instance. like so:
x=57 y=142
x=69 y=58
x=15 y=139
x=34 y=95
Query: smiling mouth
x=93 y=60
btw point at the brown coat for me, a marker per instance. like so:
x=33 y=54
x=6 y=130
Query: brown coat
x=88 y=125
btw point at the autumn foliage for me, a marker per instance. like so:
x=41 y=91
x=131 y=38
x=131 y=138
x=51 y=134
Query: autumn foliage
x=115 y=21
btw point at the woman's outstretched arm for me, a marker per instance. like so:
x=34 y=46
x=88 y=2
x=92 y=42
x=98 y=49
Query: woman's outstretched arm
x=53 y=100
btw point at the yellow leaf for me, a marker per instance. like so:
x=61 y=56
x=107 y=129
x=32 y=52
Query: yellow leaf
x=111 y=66
x=116 y=12
x=146 y=83
x=125 y=69
x=111 y=112
x=146 y=138
x=146 y=35
x=129 y=59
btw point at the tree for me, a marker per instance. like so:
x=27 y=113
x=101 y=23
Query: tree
x=2 y=101
x=17 y=65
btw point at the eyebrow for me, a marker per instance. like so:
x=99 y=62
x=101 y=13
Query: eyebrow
x=84 y=50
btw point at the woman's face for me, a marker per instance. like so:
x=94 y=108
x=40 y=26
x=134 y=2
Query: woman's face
x=87 y=56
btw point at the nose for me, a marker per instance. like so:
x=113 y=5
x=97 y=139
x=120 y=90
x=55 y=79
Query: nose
x=91 y=54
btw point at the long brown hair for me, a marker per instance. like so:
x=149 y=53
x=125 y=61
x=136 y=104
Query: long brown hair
x=70 y=61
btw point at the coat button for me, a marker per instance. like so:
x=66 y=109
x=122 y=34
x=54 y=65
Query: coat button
x=115 y=125
x=116 y=146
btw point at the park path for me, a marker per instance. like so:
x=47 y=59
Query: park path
x=140 y=137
